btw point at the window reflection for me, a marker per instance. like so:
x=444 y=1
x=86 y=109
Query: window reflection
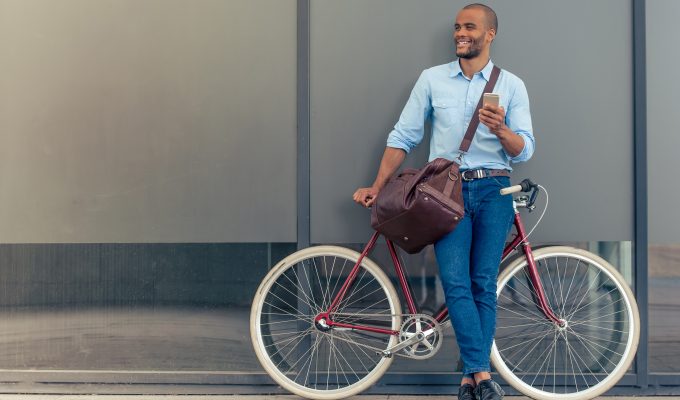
x=664 y=307
x=139 y=307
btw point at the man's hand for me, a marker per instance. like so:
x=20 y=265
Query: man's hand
x=493 y=117
x=366 y=196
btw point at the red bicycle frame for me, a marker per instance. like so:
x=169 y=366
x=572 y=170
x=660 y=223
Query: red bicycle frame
x=519 y=239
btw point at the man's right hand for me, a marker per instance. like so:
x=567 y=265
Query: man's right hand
x=366 y=196
x=391 y=160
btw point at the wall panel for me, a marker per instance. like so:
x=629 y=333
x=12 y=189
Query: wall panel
x=147 y=121
x=366 y=56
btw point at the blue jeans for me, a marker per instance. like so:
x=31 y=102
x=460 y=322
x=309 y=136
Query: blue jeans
x=468 y=259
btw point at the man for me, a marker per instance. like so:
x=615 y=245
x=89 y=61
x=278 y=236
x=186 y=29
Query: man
x=469 y=256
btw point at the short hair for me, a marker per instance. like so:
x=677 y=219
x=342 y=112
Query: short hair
x=491 y=18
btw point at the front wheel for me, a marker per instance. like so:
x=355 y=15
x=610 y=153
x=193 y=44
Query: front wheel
x=306 y=357
x=588 y=355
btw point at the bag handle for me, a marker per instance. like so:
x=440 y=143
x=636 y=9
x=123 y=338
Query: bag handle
x=474 y=122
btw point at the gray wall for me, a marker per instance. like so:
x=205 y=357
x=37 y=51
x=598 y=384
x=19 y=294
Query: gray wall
x=147 y=121
x=575 y=58
x=663 y=136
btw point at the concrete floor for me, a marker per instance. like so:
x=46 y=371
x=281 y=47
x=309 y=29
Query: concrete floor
x=259 y=397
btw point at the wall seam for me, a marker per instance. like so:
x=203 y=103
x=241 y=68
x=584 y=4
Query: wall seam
x=640 y=186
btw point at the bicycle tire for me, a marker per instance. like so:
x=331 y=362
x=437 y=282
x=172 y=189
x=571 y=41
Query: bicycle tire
x=591 y=353
x=288 y=299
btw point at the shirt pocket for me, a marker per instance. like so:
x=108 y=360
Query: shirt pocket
x=444 y=111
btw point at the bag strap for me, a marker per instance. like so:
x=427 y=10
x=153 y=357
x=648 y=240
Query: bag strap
x=471 y=130
x=474 y=122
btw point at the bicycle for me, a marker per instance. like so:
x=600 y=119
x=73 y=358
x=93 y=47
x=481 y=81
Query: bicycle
x=326 y=321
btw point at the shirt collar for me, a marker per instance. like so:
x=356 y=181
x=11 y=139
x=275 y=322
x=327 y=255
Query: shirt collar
x=456 y=70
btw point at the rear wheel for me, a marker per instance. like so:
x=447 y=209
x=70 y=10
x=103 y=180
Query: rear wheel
x=302 y=355
x=582 y=359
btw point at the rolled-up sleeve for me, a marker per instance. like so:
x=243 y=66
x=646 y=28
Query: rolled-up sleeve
x=518 y=119
x=410 y=129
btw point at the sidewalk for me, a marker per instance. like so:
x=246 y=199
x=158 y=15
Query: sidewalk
x=263 y=397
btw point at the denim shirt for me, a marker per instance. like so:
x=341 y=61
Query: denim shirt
x=445 y=95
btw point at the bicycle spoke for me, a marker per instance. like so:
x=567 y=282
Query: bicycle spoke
x=342 y=269
x=297 y=341
x=378 y=289
x=315 y=348
x=588 y=289
x=601 y=296
x=309 y=301
x=537 y=318
x=599 y=318
x=356 y=288
x=300 y=358
x=365 y=368
x=527 y=353
x=576 y=269
x=305 y=319
x=546 y=268
x=540 y=368
x=351 y=370
x=307 y=280
x=588 y=339
x=294 y=294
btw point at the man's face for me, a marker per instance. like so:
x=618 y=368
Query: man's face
x=471 y=34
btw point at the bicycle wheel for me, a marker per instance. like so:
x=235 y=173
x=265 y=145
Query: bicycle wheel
x=300 y=355
x=586 y=357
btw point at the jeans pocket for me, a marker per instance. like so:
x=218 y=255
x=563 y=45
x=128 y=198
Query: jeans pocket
x=501 y=181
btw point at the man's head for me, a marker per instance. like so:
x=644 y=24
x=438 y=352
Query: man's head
x=475 y=28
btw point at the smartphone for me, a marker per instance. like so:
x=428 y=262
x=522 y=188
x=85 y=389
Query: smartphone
x=492 y=98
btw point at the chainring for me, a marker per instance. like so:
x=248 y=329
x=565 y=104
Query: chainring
x=416 y=324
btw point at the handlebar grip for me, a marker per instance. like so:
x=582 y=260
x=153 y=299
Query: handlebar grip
x=511 y=189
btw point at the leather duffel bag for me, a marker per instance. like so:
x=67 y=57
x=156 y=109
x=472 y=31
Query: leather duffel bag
x=418 y=207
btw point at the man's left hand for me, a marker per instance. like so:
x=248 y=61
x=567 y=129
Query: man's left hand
x=493 y=117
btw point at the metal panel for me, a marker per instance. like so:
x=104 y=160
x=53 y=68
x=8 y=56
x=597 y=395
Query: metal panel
x=147 y=121
x=663 y=194
x=366 y=55
x=663 y=137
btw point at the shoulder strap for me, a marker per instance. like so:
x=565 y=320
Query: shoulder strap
x=474 y=122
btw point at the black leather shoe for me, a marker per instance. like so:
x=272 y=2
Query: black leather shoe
x=488 y=390
x=466 y=392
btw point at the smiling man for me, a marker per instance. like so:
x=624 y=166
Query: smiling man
x=469 y=256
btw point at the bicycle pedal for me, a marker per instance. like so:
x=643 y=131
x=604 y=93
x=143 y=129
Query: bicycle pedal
x=384 y=354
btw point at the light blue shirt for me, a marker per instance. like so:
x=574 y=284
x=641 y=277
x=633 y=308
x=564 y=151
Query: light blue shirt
x=445 y=95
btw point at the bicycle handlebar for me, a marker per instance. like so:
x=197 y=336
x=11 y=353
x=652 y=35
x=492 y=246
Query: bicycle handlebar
x=524 y=186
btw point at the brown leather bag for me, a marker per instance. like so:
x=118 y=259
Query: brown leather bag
x=419 y=207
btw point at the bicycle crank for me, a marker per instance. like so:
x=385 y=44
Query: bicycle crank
x=420 y=337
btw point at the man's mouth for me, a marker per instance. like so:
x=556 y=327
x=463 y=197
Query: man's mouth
x=463 y=42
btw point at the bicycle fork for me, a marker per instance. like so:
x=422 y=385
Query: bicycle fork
x=539 y=292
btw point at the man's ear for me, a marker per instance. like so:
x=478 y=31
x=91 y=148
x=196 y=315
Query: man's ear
x=492 y=34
